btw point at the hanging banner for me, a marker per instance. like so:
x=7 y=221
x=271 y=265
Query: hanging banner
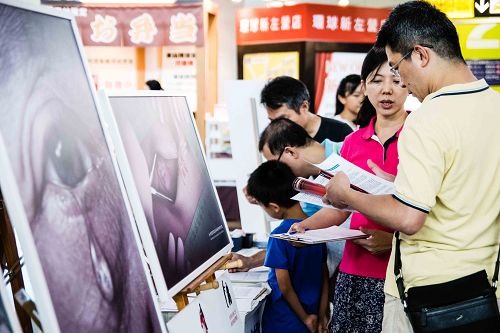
x=139 y=26
x=309 y=22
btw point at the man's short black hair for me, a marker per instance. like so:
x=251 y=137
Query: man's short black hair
x=419 y=22
x=282 y=133
x=284 y=90
x=272 y=182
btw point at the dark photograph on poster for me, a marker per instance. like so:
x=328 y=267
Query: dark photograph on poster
x=65 y=177
x=171 y=176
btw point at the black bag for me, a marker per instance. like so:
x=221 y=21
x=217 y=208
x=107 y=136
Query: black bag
x=467 y=304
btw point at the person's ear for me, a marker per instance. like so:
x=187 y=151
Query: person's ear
x=342 y=99
x=274 y=207
x=293 y=152
x=304 y=107
x=363 y=87
x=424 y=54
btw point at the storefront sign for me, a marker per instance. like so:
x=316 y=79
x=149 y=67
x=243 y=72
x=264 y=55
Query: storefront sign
x=480 y=44
x=479 y=38
x=309 y=22
x=486 y=8
x=136 y=26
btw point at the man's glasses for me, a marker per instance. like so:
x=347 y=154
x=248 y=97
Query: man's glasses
x=395 y=68
x=281 y=153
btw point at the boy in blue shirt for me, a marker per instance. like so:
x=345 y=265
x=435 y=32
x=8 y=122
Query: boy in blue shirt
x=299 y=275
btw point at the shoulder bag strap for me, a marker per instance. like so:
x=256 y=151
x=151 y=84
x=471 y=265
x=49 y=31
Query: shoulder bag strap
x=399 y=273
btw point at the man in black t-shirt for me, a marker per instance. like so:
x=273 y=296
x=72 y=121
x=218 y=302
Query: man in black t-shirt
x=289 y=98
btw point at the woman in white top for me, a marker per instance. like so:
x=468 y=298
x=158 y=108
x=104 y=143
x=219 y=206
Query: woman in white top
x=349 y=98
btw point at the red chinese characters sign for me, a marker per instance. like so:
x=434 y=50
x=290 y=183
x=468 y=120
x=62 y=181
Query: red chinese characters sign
x=309 y=22
x=136 y=26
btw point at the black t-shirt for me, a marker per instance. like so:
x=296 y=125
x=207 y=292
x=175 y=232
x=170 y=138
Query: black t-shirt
x=332 y=129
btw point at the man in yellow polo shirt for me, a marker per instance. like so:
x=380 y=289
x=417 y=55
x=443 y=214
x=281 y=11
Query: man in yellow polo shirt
x=447 y=199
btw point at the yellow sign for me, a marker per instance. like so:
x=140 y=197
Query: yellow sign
x=455 y=8
x=479 y=38
x=263 y=66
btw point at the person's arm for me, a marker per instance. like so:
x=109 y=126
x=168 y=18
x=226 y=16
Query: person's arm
x=286 y=288
x=323 y=218
x=253 y=261
x=383 y=209
x=324 y=311
x=379 y=172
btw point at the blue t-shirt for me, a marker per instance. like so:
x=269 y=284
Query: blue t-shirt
x=330 y=148
x=305 y=266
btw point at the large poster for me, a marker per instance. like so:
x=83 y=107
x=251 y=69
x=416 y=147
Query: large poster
x=331 y=68
x=264 y=66
x=178 y=198
x=60 y=184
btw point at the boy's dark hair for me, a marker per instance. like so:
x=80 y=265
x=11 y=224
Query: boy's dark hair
x=284 y=90
x=272 y=182
x=419 y=22
x=282 y=133
x=346 y=87
x=374 y=59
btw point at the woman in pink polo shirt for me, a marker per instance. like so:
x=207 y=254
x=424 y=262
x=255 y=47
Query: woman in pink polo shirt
x=359 y=290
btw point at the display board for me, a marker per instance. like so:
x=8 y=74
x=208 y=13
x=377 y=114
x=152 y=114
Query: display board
x=60 y=183
x=212 y=310
x=178 y=198
x=247 y=119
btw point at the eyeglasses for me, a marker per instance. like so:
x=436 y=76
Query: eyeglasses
x=395 y=68
x=281 y=153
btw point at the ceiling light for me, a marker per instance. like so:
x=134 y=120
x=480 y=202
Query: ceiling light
x=343 y=3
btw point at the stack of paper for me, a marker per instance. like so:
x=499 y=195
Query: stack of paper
x=330 y=234
x=258 y=275
x=248 y=298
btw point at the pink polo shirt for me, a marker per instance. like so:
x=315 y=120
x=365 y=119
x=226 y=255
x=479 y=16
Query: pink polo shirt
x=358 y=147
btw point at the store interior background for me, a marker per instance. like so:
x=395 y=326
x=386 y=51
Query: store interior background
x=219 y=66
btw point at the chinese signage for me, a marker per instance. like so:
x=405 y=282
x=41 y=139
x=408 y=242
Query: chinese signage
x=136 y=26
x=178 y=73
x=468 y=8
x=486 y=8
x=113 y=67
x=309 y=22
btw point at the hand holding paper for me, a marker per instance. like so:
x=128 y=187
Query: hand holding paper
x=337 y=175
x=336 y=190
x=379 y=241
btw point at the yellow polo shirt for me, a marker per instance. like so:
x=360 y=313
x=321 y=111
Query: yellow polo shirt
x=449 y=167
